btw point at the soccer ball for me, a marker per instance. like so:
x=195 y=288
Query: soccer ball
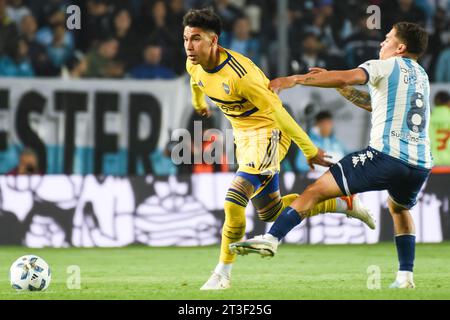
x=30 y=273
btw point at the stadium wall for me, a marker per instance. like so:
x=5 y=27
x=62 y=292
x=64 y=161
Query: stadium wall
x=108 y=211
x=111 y=126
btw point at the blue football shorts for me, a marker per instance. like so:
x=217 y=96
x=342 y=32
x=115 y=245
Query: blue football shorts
x=370 y=170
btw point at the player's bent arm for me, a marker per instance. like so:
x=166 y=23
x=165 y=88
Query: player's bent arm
x=255 y=90
x=357 y=97
x=198 y=98
x=288 y=125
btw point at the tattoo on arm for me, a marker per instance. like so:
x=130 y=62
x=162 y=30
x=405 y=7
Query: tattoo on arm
x=357 y=97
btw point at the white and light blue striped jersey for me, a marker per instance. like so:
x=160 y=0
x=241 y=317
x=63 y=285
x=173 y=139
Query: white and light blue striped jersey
x=400 y=94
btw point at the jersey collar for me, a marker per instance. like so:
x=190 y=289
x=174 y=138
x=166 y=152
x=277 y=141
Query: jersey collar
x=220 y=66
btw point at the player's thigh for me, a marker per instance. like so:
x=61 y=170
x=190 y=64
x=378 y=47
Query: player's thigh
x=258 y=152
x=396 y=208
x=403 y=192
x=268 y=194
x=244 y=185
x=324 y=188
x=365 y=170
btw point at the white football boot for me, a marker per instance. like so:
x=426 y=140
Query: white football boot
x=356 y=209
x=217 y=281
x=404 y=280
x=265 y=245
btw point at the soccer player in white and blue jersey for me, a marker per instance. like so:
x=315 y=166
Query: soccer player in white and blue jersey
x=398 y=158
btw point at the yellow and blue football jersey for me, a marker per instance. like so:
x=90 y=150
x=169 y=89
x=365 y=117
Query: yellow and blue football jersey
x=262 y=127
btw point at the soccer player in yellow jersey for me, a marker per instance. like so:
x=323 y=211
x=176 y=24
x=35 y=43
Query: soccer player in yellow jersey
x=262 y=131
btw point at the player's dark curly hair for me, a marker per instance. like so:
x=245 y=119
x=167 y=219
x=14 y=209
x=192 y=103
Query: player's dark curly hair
x=203 y=18
x=414 y=36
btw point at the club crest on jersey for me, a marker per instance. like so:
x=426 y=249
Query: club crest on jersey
x=226 y=88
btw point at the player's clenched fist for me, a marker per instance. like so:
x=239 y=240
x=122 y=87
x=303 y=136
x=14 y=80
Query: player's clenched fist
x=205 y=112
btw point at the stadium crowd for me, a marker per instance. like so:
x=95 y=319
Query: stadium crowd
x=142 y=39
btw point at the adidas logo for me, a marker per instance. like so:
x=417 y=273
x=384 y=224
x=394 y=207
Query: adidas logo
x=251 y=164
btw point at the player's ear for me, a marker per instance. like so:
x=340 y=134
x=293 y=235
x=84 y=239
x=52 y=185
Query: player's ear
x=401 y=48
x=214 y=39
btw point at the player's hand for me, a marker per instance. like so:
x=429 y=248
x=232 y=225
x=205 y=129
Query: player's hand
x=206 y=112
x=320 y=159
x=278 y=84
x=316 y=70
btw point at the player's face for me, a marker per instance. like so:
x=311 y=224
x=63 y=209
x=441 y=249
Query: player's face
x=198 y=44
x=391 y=46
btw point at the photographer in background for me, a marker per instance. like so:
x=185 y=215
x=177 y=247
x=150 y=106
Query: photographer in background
x=28 y=164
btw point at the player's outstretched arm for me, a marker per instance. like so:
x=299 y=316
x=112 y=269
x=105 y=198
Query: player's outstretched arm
x=326 y=79
x=287 y=124
x=255 y=89
x=358 y=97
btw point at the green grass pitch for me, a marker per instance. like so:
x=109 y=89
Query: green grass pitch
x=297 y=272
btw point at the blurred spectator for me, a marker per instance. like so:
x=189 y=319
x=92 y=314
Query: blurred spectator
x=155 y=28
x=362 y=45
x=321 y=25
x=97 y=23
x=39 y=58
x=338 y=26
x=101 y=60
x=309 y=55
x=152 y=68
x=75 y=67
x=175 y=15
x=241 y=40
x=46 y=34
x=345 y=18
x=43 y=9
x=323 y=137
x=59 y=51
x=227 y=12
x=175 y=22
x=28 y=164
x=8 y=29
x=15 y=61
x=129 y=44
x=401 y=10
x=437 y=40
x=442 y=69
x=440 y=129
x=16 y=10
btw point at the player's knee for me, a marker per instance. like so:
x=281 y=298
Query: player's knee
x=234 y=226
x=234 y=214
x=395 y=208
x=313 y=193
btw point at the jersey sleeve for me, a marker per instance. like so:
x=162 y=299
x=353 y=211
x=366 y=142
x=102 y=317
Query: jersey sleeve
x=255 y=88
x=376 y=69
x=198 y=97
